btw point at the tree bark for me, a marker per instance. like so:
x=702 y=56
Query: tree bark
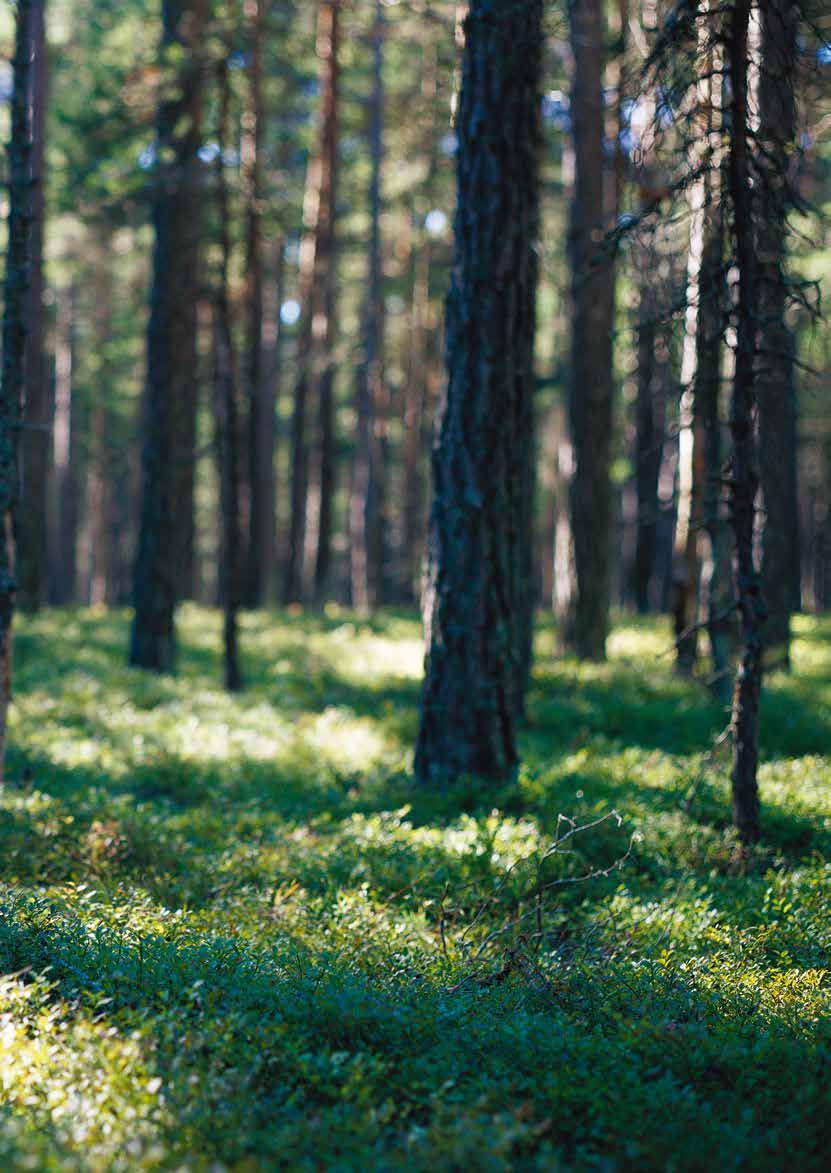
x=307 y=560
x=12 y=379
x=475 y=590
x=164 y=555
x=591 y=391
x=775 y=383
x=32 y=521
x=745 y=477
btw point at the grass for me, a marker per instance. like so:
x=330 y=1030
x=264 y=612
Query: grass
x=234 y=935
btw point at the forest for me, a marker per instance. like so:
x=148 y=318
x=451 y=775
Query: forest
x=415 y=585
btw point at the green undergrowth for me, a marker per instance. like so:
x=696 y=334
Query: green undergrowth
x=235 y=936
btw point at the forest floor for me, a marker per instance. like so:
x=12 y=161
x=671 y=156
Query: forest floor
x=234 y=936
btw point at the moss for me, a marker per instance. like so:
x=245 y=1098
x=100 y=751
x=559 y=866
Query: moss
x=234 y=935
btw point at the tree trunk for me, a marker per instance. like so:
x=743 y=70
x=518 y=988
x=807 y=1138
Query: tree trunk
x=423 y=359
x=775 y=383
x=311 y=496
x=165 y=542
x=650 y=415
x=367 y=544
x=32 y=521
x=227 y=415
x=261 y=520
x=12 y=380
x=591 y=392
x=474 y=592
x=745 y=479
x=63 y=527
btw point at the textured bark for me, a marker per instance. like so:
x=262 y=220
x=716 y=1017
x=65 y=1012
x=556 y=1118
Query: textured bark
x=163 y=560
x=775 y=382
x=367 y=533
x=32 y=521
x=311 y=491
x=12 y=379
x=63 y=526
x=227 y=414
x=261 y=431
x=745 y=480
x=591 y=390
x=475 y=589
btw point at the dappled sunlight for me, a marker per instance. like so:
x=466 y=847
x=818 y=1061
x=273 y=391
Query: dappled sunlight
x=244 y=907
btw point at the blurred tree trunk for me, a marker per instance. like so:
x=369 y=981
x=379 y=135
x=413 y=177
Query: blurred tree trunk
x=165 y=543
x=367 y=529
x=745 y=478
x=226 y=413
x=63 y=526
x=775 y=383
x=32 y=520
x=12 y=379
x=477 y=548
x=100 y=481
x=423 y=363
x=261 y=437
x=592 y=390
x=311 y=491
x=650 y=419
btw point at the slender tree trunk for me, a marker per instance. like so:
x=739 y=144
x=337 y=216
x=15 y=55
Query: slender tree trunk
x=592 y=392
x=260 y=422
x=775 y=383
x=32 y=521
x=63 y=527
x=650 y=416
x=745 y=480
x=12 y=379
x=310 y=516
x=423 y=357
x=165 y=543
x=474 y=592
x=273 y=350
x=367 y=545
x=227 y=415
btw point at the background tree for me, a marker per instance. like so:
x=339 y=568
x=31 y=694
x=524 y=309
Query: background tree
x=32 y=522
x=12 y=377
x=775 y=378
x=163 y=559
x=591 y=394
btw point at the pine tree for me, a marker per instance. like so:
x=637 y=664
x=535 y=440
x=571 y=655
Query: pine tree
x=476 y=590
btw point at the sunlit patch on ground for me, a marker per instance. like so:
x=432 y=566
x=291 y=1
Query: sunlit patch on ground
x=235 y=935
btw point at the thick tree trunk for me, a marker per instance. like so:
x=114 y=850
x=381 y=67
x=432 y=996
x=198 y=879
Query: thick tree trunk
x=367 y=533
x=227 y=415
x=12 y=379
x=261 y=520
x=165 y=543
x=307 y=560
x=591 y=392
x=32 y=521
x=775 y=383
x=475 y=591
x=745 y=479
